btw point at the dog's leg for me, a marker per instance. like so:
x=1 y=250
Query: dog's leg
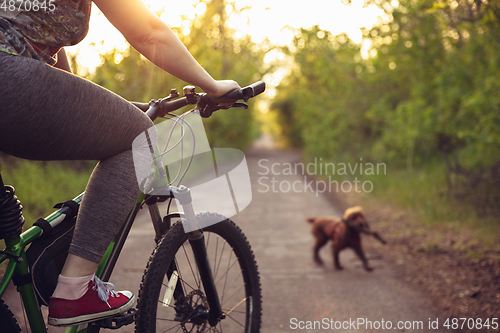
x=336 y=262
x=321 y=240
x=361 y=255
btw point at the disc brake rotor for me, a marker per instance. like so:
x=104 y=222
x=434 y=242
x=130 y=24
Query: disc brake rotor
x=195 y=306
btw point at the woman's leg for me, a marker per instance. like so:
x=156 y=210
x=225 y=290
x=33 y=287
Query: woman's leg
x=48 y=114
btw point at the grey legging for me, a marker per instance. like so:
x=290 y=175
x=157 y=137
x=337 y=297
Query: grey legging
x=48 y=114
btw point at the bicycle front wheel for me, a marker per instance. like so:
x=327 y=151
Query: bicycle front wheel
x=171 y=297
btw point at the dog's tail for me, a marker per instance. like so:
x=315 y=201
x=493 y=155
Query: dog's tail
x=310 y=219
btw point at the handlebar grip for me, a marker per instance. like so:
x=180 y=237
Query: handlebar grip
x=243 y=93
x=257 y=88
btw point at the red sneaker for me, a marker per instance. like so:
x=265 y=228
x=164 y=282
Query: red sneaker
x=100 y=301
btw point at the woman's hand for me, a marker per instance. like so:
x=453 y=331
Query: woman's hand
x=222 y=87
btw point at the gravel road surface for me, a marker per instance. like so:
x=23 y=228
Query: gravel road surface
x=297 y=293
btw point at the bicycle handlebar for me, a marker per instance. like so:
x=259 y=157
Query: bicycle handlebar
x=243 y=93
x=143 y=106
x=205 y=104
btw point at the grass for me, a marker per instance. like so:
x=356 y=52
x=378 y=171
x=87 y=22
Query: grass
x=40 y=185
x=423 y=193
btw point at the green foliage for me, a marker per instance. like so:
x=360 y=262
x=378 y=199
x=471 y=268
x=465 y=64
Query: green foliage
x=428 y=89
x=313 y=101
x=40 y=185
x=214 y=46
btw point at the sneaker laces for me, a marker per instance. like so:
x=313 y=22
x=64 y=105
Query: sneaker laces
x=104 y=289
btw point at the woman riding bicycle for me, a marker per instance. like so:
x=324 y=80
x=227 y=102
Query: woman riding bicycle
x=49 y=114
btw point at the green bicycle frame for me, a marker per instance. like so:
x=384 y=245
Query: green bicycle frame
x=18 y=266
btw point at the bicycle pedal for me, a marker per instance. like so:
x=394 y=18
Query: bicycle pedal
x=117 y=321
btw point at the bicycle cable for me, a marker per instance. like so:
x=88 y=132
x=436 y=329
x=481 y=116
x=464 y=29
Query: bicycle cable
x=192 y=153
x=179 y=121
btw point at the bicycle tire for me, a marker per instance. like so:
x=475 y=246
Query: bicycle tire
x=241 y=303
x=8 y=322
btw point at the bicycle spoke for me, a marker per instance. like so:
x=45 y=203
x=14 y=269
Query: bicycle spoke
x=215 y=256
x=239 y=303
x=236 y=321
x=165 y=319
x=208 y=239
x=197 y=282
x=227 y=271
x=214 y=329
x=220 y=259
x=225 y=280
x=184 y=282
x=179 y=327
x=237 y=291
x=166 y=305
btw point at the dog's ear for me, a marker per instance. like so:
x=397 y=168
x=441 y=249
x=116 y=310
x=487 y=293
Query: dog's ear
x=310 y=219
x=353 y=212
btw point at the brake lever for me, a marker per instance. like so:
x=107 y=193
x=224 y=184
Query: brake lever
x=235 y=105
x=239 y=105
x=210 y=108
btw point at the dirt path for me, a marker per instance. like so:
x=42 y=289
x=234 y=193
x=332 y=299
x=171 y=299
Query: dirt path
x=296 y=291
x=294 y=287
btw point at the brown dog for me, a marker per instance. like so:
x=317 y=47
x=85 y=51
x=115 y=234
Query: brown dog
x=344 y=233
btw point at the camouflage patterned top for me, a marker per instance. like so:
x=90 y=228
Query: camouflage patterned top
x=41 y=32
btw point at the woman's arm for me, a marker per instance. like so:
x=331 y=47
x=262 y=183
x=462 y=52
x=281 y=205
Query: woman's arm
x=156 y=41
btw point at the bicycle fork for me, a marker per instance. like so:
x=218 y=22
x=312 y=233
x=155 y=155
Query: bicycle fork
x=197 y=241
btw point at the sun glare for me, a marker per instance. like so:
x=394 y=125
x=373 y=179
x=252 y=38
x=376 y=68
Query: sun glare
x=274 y=20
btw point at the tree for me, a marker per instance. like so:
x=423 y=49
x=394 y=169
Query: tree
x=429 y=89
x=213 y=44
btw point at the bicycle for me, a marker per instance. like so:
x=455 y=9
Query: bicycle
x=204 y=280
